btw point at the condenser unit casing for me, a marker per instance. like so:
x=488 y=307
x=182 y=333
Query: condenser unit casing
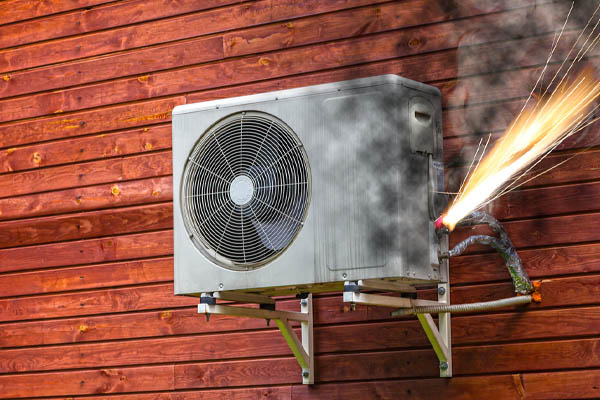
x=300 y=190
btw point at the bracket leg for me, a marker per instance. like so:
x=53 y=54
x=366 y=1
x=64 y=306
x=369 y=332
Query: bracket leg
x=306 y=307
x=445 y=329
x=302 y=350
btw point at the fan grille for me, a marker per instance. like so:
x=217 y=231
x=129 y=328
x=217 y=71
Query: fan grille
x=246 y=189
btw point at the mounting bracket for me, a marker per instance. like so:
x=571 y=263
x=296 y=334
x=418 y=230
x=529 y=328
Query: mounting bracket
x=303 y=349
x=440 y=338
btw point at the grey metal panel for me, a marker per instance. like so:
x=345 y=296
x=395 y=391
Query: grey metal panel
x=368 y=217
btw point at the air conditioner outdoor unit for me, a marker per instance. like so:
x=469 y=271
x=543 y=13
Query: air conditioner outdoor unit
x=300 y=190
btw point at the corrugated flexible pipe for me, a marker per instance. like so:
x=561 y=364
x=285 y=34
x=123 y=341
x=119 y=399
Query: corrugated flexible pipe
x=463 y=308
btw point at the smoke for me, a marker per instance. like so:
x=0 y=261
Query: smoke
x=499 y=60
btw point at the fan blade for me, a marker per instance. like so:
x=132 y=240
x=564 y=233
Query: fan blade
x=283 y=228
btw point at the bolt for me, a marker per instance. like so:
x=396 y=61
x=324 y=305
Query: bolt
x=220 y=286
x=305 y=374
x=441 y=291
x=304 y=302
x=443 y=365
x=344 y=275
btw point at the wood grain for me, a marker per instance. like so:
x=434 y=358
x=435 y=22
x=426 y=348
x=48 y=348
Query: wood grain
x=86 y=148
x=19 y=10
x=540 y=232
x=87 y=308
x=351 y=51
x=552 y=385
x=382 y=336
x=556 y=292
x=84 y=174
x=115 y=380
x=99 y=18
x=392 y=364
x=263 y=38
x=92 y=302
x=84 y=123
x=162 y=57
x=146 y=191
x=86 y=225
x=89 y=277
x=113 y=248
x=164 y=30
x=545 y=262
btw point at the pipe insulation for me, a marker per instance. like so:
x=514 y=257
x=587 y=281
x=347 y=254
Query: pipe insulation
x=464 y=308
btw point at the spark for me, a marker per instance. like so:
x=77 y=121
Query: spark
x=534 y=133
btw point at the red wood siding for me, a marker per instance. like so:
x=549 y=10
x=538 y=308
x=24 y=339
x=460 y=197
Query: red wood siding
x=86 y=303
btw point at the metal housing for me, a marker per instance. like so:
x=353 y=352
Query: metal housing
x=374 y=147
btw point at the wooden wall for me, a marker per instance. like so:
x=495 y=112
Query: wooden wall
x=86 y=306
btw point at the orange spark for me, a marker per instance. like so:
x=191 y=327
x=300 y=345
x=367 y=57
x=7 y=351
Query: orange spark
x=531 y=136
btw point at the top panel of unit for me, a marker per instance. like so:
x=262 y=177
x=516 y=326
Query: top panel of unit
x=307 y=91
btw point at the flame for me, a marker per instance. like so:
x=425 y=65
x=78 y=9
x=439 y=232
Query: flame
x=531 y=136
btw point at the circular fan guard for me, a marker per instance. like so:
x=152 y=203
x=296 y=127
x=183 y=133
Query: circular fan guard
x=246 y=189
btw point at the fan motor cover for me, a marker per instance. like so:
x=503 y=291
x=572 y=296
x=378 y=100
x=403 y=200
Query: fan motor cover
x=302 y=189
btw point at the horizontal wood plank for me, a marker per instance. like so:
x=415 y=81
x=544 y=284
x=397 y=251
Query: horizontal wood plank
x=556 y=292
x=113 y=248
x=329 y=310
x=501 y=387
x=93 y=302
x=84 y=174
x=563 y=385
x=552 y=385
x=164 y=30
x=545 y=262
x=86 y=225
x=88 y=122
x=195 y=51
x=146 y=191
x=247 y=41
x=99 y=18
x=540 y=232
x=86 y=148
x=88 y=277
x=116 y=380
x=344 y=53
x=382 y=336
x=262 y=393
x=24 y=9
x=390 y=365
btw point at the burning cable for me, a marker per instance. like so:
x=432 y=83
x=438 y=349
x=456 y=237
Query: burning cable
x=502 y=244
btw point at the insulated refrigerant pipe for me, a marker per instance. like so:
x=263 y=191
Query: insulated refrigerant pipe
x=464 y=308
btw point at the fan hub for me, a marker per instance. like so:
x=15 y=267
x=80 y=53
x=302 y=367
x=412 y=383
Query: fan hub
x=241 y=190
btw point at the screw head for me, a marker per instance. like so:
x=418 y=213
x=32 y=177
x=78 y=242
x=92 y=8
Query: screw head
x=443 y=365
x=441 y=291
x=220 y=286
x=304 y=302
x=344 y=275
x=305 y=374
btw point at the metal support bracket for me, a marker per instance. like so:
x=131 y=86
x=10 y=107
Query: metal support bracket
x=440 y=338
x=303 y=349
